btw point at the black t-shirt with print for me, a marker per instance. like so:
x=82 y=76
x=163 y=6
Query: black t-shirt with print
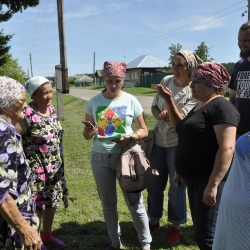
x=197 y=143
x=240 y=82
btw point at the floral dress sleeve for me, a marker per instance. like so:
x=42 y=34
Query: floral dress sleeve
x=8 y=166
x=14 y=180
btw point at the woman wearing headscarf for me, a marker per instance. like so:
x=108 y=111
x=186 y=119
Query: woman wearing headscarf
x=18 y=220
x=42 y=142
x=112 y=112
x=163 y=151
x=206 y=141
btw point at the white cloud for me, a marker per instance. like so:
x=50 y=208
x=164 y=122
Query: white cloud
x=208 y=23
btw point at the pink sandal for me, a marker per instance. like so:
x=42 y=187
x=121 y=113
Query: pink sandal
x=57 y=243
x=43 y=247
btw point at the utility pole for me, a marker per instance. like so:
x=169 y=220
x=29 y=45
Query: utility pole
x=59 y=92
x=28 y=75
x=248 y=6
x=63 y=59
x=94 y=69
x=31 y=71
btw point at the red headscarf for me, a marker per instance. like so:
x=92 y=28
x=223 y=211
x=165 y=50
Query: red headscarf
x=212 y=74
x=114 y=69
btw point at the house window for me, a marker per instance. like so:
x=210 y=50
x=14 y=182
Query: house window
x=127 y=76
x=134 y=75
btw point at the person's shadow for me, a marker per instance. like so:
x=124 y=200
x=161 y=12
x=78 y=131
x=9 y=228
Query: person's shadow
x=94 y=236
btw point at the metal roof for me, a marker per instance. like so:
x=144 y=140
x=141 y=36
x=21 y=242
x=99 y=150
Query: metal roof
x=98 y=73
x=146 y=61
x=85 y=78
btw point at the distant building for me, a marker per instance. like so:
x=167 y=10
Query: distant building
x=77 y=76
x=83 y=81
x=144 y=71
x=99 y=77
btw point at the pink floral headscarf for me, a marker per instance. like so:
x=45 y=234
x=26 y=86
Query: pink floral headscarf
x=9 y=90
x=212 y=74
x=114 y=69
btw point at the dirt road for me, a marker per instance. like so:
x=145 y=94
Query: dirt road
x=86 y=94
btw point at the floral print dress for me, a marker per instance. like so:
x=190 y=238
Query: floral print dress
x=14 y=180
x=43 y=147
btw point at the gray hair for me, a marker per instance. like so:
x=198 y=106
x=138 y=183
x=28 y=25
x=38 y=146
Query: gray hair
x=245 y=26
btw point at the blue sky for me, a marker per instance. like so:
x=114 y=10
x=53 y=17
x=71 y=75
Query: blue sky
x=122 y=31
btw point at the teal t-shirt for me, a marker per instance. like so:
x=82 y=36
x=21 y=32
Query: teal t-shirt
x=113 y=117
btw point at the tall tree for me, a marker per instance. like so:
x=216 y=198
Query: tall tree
x=4 y=48
x=14 y=6
x=12 y=69
x=229 y=67
x=174 y=48
x=7 y=9
x=72 y=81
x=203 y=52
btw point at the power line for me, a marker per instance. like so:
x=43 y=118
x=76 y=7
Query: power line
x=132 y=47
x=39 y=24
x=159 y=40
x=36 y=23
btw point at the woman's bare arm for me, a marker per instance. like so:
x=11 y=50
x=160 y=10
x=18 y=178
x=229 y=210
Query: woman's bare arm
x=21 y=126
x=12 y=216
x=174 y=115
x=141 y=132
x=226 y=136
x=88 y=131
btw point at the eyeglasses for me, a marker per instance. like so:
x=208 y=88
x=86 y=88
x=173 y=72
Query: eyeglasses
x=23 y=100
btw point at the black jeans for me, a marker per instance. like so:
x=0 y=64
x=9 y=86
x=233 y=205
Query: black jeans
x=204 y=217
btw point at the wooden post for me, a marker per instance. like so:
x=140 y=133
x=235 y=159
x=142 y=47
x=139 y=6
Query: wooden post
x=63 y=58
x=248 y=7
x=31 y=65
x=94 y=70
x=59 y=92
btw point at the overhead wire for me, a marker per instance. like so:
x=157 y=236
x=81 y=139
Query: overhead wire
x=38 y=28
x=132 y=47
x=164 y=38
x=36 y=23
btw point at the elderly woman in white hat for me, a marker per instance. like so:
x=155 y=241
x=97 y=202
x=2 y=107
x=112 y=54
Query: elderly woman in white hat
x=42 y=142
x=18 y=220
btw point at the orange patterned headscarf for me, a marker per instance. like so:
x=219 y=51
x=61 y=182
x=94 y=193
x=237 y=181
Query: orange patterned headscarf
x=114 y=69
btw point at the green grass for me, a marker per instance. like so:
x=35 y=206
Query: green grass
x=82 y=224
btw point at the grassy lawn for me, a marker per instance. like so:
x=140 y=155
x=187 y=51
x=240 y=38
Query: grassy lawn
x=81 y=225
